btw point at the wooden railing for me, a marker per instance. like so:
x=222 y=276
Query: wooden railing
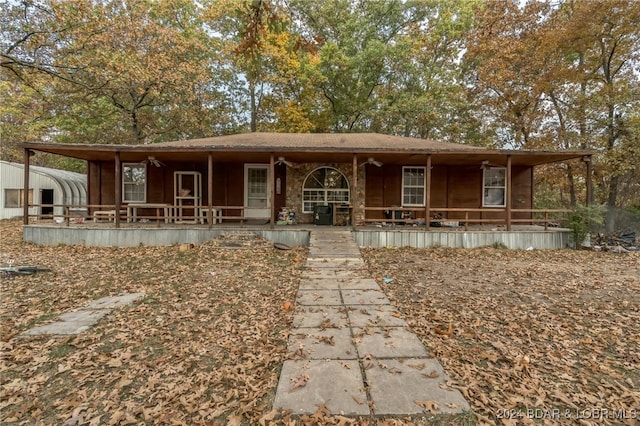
x=545 y=217
x=107 y=213
x=203 y=214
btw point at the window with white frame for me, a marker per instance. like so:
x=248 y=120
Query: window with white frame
x=134 y=183
x=413 y=186
x=324 y=186
x=494 y=187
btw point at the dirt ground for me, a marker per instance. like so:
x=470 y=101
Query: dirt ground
x=544 y=337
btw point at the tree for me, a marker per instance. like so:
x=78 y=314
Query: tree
x=148 y=60
x=563 y=76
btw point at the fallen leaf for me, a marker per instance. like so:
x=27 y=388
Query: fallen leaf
x=441 y=331
x=430 y=406
x=299 y=382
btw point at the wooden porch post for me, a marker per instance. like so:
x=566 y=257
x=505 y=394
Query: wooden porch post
x=354 y=192
x=508 y=194
x=118 y=189
x=210 y=189
x=588 y=200
x=427 y=204
x=272 y=189
x=25 y=194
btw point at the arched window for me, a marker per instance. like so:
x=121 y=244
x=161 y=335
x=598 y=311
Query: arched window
x=324 y=186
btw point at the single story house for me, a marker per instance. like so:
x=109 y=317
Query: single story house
x=49 y=190
x=354 y=179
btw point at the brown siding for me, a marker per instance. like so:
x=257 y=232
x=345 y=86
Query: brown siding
x=439 y=186
x=157 y=188
x=383 y=188
x=464 y=190
x=93 y=186
x=393 y=186
x=522 y=190
x=374 y=191
x=108 y=179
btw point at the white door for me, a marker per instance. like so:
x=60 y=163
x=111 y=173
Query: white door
x=257 y=200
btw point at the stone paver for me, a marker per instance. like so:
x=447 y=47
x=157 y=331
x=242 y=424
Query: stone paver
x=388 y=342
x=320 y=316
x=319 y=297
x=364 y=297
x=396 y=387
x=350 y=350
x=81 y=320
x=336 y=384
x=374 y=316
x=328 y=343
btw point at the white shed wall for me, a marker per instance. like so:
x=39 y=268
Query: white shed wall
x=68 y=187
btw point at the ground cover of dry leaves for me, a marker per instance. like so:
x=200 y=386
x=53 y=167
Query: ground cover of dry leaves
x=543 y=330
x=205 y=345
x=546 y=337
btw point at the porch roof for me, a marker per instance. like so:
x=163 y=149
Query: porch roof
x=309 y=147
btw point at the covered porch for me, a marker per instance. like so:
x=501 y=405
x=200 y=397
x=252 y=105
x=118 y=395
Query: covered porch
x=369 y=182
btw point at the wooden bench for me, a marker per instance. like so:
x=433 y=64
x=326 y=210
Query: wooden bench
x=216 y=215
x=108 y=215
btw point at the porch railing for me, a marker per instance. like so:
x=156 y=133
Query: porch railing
x=66 y=214
x=464 y=216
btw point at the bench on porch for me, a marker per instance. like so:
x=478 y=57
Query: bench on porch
x=216 y=215
x=108 y=215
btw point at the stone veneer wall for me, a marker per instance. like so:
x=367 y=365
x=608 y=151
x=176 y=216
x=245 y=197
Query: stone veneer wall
x=297 y=175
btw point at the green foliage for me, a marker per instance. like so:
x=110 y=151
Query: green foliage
x=581 y=219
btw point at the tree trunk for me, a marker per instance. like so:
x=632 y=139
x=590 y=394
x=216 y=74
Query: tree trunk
x=572 y=185
x=254 y=107
x=138 y=137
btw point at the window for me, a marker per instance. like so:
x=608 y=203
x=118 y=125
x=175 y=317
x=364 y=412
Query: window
x=323 y=186
x=134 y=183
x=494 y=188
x=413 y=186
x=13 y=198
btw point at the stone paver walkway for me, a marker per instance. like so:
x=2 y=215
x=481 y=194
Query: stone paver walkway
x=350 y=349
x=80 y=320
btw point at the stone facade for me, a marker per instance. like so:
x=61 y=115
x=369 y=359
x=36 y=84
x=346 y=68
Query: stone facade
x=295 y=180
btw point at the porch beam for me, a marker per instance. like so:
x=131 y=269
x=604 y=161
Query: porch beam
x=354 y=192
x=508 y=194
x=210 y=189
x=118 y=189
x=427 y=203
x=25 y=192
x=589 y=183
x=272 y=189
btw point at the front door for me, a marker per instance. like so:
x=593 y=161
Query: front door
x=257 y=200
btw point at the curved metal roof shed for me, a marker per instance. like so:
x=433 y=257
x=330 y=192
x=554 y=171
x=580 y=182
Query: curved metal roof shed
x=46 y=187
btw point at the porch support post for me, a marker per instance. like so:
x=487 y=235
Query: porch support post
x=210 y=189
x=589 y=195
x=25 y=193
x=427 y=203
x=272 y=189
x=354 y=192
x=508 y=194
x=118 y=189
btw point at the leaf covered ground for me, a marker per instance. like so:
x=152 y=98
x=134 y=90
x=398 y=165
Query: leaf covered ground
x=551 y=337
x=537 y=330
